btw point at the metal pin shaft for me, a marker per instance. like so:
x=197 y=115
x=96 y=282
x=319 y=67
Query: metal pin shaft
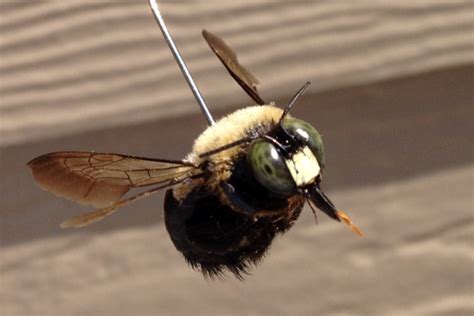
x=181 y=63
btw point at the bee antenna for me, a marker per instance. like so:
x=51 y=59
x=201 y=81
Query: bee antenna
x=298 y=94
x=182 y=65
x=313 y=210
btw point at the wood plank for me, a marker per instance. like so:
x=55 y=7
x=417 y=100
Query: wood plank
x=72 y=66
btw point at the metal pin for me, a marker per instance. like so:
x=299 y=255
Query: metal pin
x=181 y=63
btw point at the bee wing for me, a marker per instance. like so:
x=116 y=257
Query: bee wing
x=97 y=215
x=228 y=57
x=100 y=179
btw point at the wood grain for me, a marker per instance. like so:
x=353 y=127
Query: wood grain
x=71 y=66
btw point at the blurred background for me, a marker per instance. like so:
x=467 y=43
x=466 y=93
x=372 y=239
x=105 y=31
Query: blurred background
x=392 y=94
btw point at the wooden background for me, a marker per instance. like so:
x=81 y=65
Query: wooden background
x=70 y=66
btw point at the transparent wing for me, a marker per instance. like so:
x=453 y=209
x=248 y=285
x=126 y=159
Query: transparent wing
x=97 y=215
x=101 y=179
x=228 y=57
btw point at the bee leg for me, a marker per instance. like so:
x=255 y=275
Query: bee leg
x=235 y=199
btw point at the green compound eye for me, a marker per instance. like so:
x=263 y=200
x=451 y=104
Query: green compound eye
x=269 y=168
x=308 y=134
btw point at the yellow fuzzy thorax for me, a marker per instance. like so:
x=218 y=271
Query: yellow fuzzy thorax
x=231 y=128
x=228 y=129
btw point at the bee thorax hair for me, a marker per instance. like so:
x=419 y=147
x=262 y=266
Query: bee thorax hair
x=241 y=124
x=233 y=127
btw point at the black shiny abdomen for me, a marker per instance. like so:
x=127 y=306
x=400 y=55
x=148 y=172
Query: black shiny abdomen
x=213 y=237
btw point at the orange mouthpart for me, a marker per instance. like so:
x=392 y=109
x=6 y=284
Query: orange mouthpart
x=343 y=216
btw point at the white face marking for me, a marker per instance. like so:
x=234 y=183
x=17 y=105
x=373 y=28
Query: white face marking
x=303 y=166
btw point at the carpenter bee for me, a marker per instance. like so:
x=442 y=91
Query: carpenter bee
x=244 y=182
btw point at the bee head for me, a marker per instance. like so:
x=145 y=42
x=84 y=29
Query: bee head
x=289 y=160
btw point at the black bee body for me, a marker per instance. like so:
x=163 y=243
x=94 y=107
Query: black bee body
x=214 y=236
